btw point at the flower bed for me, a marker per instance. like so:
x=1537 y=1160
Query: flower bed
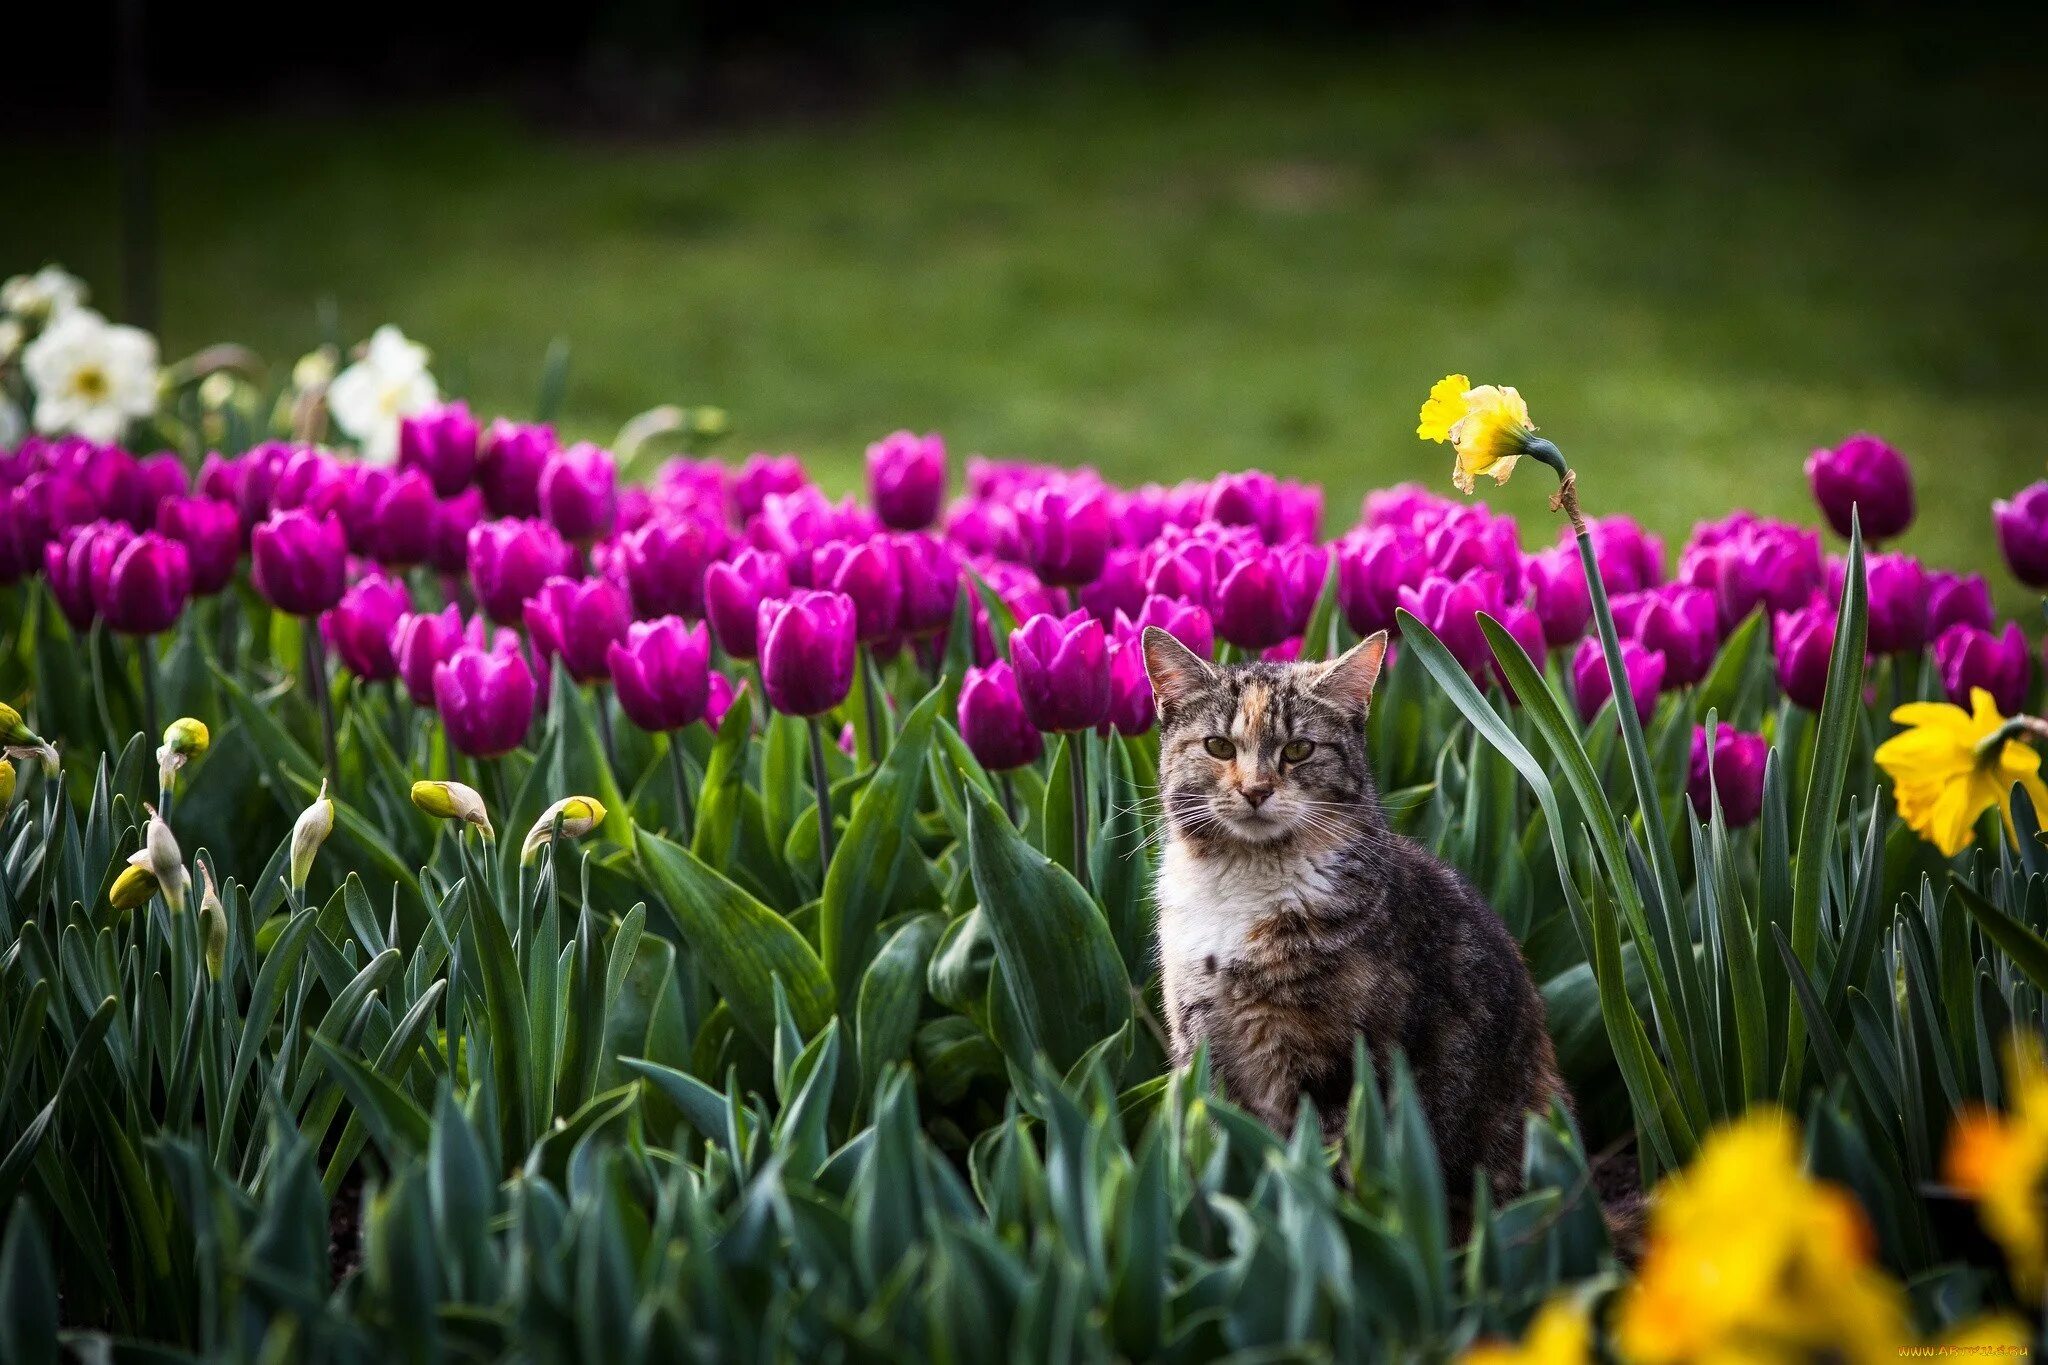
x=461 y=898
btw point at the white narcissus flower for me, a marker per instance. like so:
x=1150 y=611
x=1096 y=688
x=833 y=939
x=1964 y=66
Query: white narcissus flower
x=91 y=376
x=12 y=333
x=44 y=296
x=390 y=382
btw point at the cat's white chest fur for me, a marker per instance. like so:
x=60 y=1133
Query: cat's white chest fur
x=1207 y=907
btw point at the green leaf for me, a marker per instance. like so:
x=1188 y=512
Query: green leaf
x=742 y=945
x=720 y=799
x=28 y=1291
x=2027 y=949
x=857 y=885
x=1065 y=974
x=892 y=995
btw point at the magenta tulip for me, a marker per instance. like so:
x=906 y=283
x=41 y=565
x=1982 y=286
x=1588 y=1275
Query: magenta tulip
x=486 y=700
x=1062 y=668
x=2022 y=526
x=1867 y=477
x=509 y=560
x=360 y=626
x=807 y=651
x=1999 y=663
x=579 y=492
x=577 y=620
x=661 y=672
x=301 y=562
x=733 y=593
x=1593 y=686
x=508 y=464
x=866 y=573
x=907 y=479
x=1736 y=774
x=993 y=722
x=441 y=443
x=211 y=533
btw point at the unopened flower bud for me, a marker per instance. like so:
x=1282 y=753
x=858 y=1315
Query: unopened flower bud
x=133 y=888
x=578 y=815
x=184 y=740
x=314 y=824
x=166 y=862
x=7 y=779
x=213 y=924
x=453 y=801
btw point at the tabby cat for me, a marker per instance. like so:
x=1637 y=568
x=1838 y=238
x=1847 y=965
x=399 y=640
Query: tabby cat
x=1292 y=919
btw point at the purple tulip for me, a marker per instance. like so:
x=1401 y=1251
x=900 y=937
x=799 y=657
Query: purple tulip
x=1066 y=533
x=454 y=519
x=144 y=487
x=1645 y=672
x=509 y=560
x=662 y=673
x=579 y=492
x=2022 y=526
x=1761 y=564
x=1898 y=595
x=1804 y=639
x=1467 y=537
x=1185 y=569
x=907 y=479
x=403 y=517
x=2000 y=664
x=1253 y=604
x=1130 y=690
x=1062 y=667
x=361 y=624
x=508 y=464
x=442 y=444
x=807 y=651
x=1138 y=513
x=733 y=593
x=312 y=481
x=1562 y=597
x=69 y=565
x=760 y=477
x=1250 y=498
x=1865 y=476
x=664 y=562
x=1018 y=589
x=1630 y=558
x=144 y=585
x=992 y=719
x=1957 y=599
x=1184 y=621
x=422 y=641
x=793 y=525
x=301 y=562
x=1522 y=623
x=1450 y=608
x=578 y=620
x=24 y=528
x=486 y=700
x=1304 y=568
x=718 y=699
x=1374 y=565
x=985 y=529
x=865 y=571
x=1737 y=775
x=1405 y=506
x=930 y=571
x=211 y=533
x=1120 y=587
x=1301 y=511
x=1678 y=622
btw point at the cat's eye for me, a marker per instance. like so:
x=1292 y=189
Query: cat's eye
x=1219 y=747
x=1297 y=750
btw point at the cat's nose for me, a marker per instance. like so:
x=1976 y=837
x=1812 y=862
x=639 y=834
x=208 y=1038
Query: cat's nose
x=1256 y=796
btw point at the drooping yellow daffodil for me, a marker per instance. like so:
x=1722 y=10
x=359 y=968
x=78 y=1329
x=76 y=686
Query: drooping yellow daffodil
x=577 y=815
x=1560 y=1334
x=1749 y=1258
x=1488 y=425
x=1949 y=766
x=1999 y=1160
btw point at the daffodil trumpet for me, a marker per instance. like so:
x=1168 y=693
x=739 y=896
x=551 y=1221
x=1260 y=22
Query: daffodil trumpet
x=1948 y=766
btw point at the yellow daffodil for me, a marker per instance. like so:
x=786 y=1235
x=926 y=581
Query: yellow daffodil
x=7 y=781
x=1488 y=425
x=133 y=888
x=1560 y=1334
x=1999 y=1160
x=1949 y=766
x=1749 y=1258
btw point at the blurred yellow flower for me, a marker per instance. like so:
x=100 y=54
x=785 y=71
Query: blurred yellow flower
x=1948 y=767
x=1560 y=1334
x=1999 y=1160
x=7 y=780
x=578 y=815
x=1749 y=1258
x=1489 y=426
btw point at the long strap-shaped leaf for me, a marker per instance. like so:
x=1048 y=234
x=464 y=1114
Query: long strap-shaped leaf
x=1840 y=710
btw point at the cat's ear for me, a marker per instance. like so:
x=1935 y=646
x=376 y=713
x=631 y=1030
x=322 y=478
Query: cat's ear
x=1176 y=671
x=1348 y=679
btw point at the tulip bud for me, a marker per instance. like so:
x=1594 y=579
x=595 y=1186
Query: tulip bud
x=213 y=924
x=133 y=888
x=2022 y=526
x=166 y=862
x=301 y=561
x=509 y=461
x=578 y=491
x=661 y=673
x=1062 y=667
x=510 y=560
x=1970 y=658
x=578 y=816
x=453 y=801
x=992 y=719
x=907 y=479
x=7 y=781
x=1805 y=642
x=579 y=620
x=361 y=624
x=1644 y=670
x=211 y=532
x=807 y=651
x=310 y=831
x=1737 y=773
x=486 y=700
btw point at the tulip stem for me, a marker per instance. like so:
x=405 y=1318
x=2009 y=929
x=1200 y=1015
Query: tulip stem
x=316 y=680
x=685 y=816
x=822 y=780
x=1077 y=775
x=1007 y=789
x=604 y=729
x=145 y=655
x=871 y=696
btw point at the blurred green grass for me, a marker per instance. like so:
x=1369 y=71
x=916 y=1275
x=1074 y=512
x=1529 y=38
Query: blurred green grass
x=1698 y=254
